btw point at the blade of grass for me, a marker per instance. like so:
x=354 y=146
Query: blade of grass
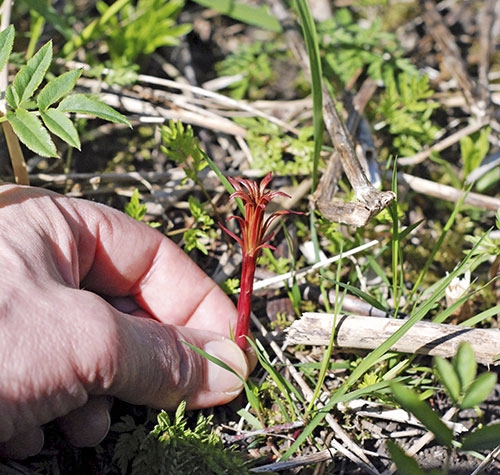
x=252 y=15
x=252 y=399
x=312 y=45
x=473 y=321
x=225 y=182
x=397 y=252
x=284 y=386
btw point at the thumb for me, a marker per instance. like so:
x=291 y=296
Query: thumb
x=157 y=368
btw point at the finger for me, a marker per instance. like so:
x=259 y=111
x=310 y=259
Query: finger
x=23 y=445
x=167 y=371
x=87 y=426
x=143 y=361
x=120 y=257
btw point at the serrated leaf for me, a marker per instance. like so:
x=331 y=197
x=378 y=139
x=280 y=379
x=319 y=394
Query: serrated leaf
x=60 y=125
x=57 y=88
x=479 y=390
x=83 y=104
x=448 y=377
x=31 y=132
x=485 y=438
x=31 y=75
x=410 y=401
x=7 y=41
x=465 y=365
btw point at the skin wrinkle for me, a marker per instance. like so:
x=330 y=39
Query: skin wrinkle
x=76 y=219
x=137 y=288
x=168 y=307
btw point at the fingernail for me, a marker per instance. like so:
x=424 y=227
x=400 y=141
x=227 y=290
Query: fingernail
x=220 y=379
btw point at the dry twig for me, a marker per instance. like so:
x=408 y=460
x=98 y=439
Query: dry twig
x=368 y=333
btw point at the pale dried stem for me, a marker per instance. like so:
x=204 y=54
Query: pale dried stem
x=443 y=144
x=368 y=333
x=445 y=192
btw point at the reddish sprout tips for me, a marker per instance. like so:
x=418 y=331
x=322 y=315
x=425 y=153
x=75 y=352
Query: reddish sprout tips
x=254 y=236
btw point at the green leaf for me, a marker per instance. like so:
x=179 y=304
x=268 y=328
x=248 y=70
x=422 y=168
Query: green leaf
x=465 y=365
x=12 y=97
x=57 y=88
x=31 y=75
x=60 y=125
x=405 y=464
x=448 y=377
x=485 y=438
x=83 y=104
x=252 y=15
x=134 y=208
x=410 y=401
x=479 y=390
x=51 y=16
x=31 y=132
x=7 y=41
x=312 y=44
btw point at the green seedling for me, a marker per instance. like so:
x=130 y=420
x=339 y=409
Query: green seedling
x=466 y=390
x=135 y=209
x=175 y=446
x=132 y=30
x=459 y=377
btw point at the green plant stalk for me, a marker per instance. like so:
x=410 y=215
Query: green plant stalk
x=395 y=247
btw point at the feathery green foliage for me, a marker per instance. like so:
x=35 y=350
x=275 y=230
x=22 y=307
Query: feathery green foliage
x=175 y=446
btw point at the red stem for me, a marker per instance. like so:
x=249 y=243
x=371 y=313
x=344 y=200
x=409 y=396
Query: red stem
x=245 y=301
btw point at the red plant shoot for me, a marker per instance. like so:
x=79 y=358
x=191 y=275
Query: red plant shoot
x=254 y=228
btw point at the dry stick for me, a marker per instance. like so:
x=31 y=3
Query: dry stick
x=368 y=333
x=443 y=144
x=356 y=124
x=486 y=19
x=449 y=193
x=446 y=43
x=347 y=447
x=488 y=460
x=218 y=100
x=153 y=113
x=296 y=462
x=375 y=410
x=369 y=200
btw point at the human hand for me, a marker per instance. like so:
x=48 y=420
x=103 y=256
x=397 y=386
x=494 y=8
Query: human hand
x=95 y=305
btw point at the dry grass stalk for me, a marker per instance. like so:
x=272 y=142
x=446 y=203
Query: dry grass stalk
x=368 y=333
